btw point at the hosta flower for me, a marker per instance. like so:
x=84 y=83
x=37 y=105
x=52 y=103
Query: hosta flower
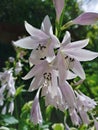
x=96 y=124
x=4 y=110
x=18 y=67
x=11 y=107
x=42 y=41
x=71 y=53
x=36 y=116
x=7 y=90
x=59 y=5
x=2 y=89
x=86 y=18
x=45 y=75
x=84 y=105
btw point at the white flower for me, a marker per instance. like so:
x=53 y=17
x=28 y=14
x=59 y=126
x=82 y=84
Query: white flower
x=84 y=105
x=59 y=5
x=18 y=67
x=71 y=53
x=42 y=41
x=11 y=107
x=36 y=116
x=2 y=89
x=4 y=110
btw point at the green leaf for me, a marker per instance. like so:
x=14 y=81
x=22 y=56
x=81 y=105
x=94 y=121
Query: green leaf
x=58 y=126
x=19 y=90
x=4 y=128
x=9 y=120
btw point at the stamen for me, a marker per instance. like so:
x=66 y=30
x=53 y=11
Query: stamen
x=47 y=76
x=43 y=58
x=66 y=57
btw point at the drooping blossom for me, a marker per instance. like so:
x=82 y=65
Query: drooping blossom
x=36 y=115
x=87 y=18
x=2 y=89
x=7 y=84
x=96 y=124
x=59 y=5
x=11 y=107
x=84 y=105
x=42 y=41
x=18 y=67
x=71 y=53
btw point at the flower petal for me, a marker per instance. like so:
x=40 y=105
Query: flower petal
x=70 y=75
x=86 y=18
x=77 y=44
x=36 y=115
x=82 y=54
x=34 y=32
x=46 y=24
x=85 y=117
x=54 y=40
x=66 y=39
x=35 y=70
x=68 y=94
x=78 y=70
x=36 y=82
x=59 y=5
x=27 y=43
x=96 y=124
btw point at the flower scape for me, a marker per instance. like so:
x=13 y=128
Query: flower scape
x=54 y=64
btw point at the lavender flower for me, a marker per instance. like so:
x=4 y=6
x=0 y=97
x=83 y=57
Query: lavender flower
x=36 y=116
x=70 y=55
x=59 y=5
x=87 y=18
x=42 y=41
x=7 y=83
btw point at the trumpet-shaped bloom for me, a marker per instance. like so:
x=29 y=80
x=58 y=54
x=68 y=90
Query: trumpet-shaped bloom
x=86 y=18
x=84 y=104
x=45 y=75
x=36 y=115
x=96 y=124
x=59 y=5
x=71 y=53
x=42 y=41
x=7 y=89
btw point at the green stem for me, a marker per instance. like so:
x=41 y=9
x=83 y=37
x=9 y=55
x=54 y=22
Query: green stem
x=68 y=24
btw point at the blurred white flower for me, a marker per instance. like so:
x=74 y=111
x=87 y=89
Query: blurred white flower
x=84 y=105
x=8 y=87
x=11 y=59
x=11 y=107
x=2 y=89
x=4 y=110
x=18 y=67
